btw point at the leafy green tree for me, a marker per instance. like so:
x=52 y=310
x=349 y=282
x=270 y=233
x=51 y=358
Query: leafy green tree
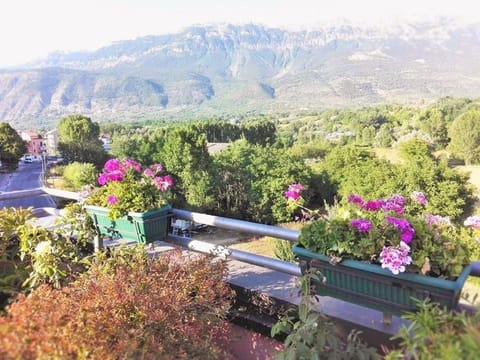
x=351 y=169
x=139 y=144
x=356 y=170
x=464 y=136
x=384 y=137
x=12 y=147
x=251 y=181
x=435 y=124
x=259 y=132
x=78 y=140
x=448 y=190
x=186 y=157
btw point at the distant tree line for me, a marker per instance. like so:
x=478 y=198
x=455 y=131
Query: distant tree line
x=247 y=179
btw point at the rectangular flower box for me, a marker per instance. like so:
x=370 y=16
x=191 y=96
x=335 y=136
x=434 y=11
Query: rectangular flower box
x=144 y=227
x=370 y=285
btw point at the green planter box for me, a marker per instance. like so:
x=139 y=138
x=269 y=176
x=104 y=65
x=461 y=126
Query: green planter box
x=370 y=285
x=143 y=227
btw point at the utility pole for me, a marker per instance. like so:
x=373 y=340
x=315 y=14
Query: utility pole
x=43 y=148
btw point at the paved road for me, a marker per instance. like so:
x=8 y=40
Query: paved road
x=27 y=176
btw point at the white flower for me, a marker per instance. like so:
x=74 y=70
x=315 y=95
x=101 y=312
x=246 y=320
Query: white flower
x=43 y=248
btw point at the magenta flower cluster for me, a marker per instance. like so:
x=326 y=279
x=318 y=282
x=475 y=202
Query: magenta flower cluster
x=293 y=191
x=395 y=258
x=395 y=204
x=125 y=170
x=392 y=257
x=116 y=170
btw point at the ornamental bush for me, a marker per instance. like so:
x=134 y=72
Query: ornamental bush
x=127 y=306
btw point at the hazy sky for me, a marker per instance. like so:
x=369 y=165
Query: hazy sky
x=30 y=29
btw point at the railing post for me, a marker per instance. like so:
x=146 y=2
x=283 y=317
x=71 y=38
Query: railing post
x=97 y=243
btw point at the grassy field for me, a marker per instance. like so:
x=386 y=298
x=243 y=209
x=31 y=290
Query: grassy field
x=263 y=245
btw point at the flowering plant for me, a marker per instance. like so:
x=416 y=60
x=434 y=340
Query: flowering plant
x=125 y=186
x=394 y=232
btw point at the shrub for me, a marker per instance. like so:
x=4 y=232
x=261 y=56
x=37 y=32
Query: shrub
x=12 y=270
x=312 y=335
x=435 y=333
x=283 y=250
x=126 y=306
x=76 y=175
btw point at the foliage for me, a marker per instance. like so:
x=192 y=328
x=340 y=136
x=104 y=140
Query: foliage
x=249 y=179
x=126 y=306
x=78 y=140
x=142 y=144
x=438 y=334
x=186 y=156
x=32 y=255
x=125 y=186
x=352 y=169
x=464 y=133
x=283 y=250
x=76 y=175
x=391 y=232
x=12 y=147
x=12 y=270
x=311 y=335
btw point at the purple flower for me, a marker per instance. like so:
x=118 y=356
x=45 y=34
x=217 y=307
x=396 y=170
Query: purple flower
x=397 y=199
x=102 y=179
x=293 y=191
x=296 y=187
x=129 y=163
x=116 y=175
x=112 y=165
x=473 y=221
x=406 y=230
x=373 y=205
x=391 y=206
x=437 y=220
x=356 y=199
x=157 y=167
x=148 y=172
x=419 y=197
x=112 y=199
x=292 y=195
x=395 y=258
x=407 y=235
x=163 y=182
x=362 y=225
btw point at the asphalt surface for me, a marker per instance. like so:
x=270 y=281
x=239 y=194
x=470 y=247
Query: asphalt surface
x=27 y=176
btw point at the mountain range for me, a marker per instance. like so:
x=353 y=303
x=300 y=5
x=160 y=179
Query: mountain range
x=226 y=69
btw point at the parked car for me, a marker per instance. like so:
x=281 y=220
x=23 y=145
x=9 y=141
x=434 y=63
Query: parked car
x=27 y=159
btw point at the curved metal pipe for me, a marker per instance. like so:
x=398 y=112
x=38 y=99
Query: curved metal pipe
x=238 y=225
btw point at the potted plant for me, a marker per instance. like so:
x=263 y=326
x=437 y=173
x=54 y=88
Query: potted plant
x=130 y=202
x=384 y=253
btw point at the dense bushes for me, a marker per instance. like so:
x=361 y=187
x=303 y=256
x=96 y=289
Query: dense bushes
x=436 y=333
x=125 y=306
x=76 y=175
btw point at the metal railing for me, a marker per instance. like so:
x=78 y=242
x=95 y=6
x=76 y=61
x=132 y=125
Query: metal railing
x=216 y=221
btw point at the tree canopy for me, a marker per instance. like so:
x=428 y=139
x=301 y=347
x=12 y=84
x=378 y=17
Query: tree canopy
x=464 y=136
x=78 y=140
x=12 y=147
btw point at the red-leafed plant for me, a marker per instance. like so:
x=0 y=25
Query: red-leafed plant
x=126 y=306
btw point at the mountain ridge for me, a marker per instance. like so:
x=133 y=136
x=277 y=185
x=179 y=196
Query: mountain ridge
x=229 y=69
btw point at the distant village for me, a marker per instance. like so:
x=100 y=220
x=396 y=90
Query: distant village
x=39 y=145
